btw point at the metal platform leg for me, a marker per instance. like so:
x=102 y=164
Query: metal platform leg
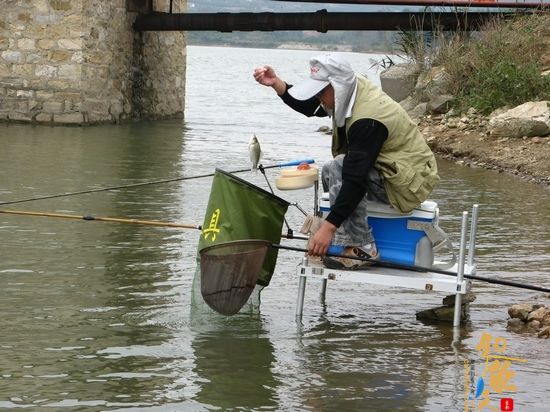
x=301 y=292
x=460 y=273
x=473 y=231
x=323 y=289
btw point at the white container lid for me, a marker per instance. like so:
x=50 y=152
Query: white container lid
x=426 y=210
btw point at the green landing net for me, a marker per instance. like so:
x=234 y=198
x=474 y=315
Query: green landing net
x=238 y=210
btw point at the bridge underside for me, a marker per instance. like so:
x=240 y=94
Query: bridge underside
x=321 y=21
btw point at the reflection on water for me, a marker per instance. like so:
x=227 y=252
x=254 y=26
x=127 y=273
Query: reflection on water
x=235 y=365
x=105 y=316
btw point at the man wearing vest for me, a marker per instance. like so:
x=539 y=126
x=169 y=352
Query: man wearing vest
x=379 y=154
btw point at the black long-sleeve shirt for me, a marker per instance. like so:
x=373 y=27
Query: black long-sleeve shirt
x=364 y=142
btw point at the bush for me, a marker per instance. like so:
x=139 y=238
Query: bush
x=503 y=83
x=497 y=66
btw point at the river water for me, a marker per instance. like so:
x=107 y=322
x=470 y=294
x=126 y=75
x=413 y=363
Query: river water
x=103 y=316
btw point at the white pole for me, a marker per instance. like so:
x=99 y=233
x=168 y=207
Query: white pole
x=460 y=273
x=301 y=292
x=473 y=231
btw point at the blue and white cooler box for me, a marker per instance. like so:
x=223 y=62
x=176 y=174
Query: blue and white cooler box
x=401 y=237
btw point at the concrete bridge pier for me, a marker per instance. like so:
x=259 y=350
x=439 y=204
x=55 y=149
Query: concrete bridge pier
x=79 y=62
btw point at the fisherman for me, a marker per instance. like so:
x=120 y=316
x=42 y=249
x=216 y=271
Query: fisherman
x=379 y=154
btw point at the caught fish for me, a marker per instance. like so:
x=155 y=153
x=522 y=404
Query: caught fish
x=254 y=151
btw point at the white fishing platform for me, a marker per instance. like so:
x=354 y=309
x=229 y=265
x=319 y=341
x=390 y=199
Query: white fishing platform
x=407 y=241
x=453 y=282
x=382 y=276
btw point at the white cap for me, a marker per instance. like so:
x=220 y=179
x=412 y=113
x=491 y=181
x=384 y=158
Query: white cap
x=323 y=69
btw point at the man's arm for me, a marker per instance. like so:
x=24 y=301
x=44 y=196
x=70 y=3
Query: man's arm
x=310 y=107
x=266 y=76
x=365 y=140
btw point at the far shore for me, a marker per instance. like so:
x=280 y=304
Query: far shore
x=296 y=46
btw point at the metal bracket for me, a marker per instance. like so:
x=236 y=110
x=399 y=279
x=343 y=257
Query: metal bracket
x=435 y=234
x=139 y=6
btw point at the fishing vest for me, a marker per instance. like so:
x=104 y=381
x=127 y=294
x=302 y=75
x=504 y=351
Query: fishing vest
x=405 y=160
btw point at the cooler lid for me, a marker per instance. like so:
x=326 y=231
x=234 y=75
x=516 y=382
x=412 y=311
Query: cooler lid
x=426 y=209
x=428 y=206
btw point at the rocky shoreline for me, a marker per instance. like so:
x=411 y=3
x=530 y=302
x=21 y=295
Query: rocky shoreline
x=515 y=141
x=528 y=317
x=467 y=140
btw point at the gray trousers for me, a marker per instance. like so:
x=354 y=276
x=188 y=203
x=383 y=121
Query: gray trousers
x=355 y=230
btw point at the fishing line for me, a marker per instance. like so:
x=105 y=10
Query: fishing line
x=262 y=169
x=105 y=189
x=154 y=182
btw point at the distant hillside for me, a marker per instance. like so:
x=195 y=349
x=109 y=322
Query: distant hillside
x=359 y=41
x=381 y=42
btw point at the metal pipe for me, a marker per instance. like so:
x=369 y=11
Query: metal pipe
x=321 y=21
x=316 y=211
x=436 y=3
x=460 y=271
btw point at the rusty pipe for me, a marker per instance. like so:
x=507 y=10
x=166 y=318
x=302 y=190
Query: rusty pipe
x=321 y=21
x=438 y=3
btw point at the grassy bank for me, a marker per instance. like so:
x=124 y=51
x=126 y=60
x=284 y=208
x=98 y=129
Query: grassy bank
x=501 y=65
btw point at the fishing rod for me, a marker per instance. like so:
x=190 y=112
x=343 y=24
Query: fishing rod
x=425 y=269
x=103 y=219
x=154 y=182
x=123 y=220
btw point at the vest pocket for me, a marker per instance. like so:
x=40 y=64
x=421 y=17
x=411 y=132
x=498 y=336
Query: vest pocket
x=406 y=187
x=399 y=177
